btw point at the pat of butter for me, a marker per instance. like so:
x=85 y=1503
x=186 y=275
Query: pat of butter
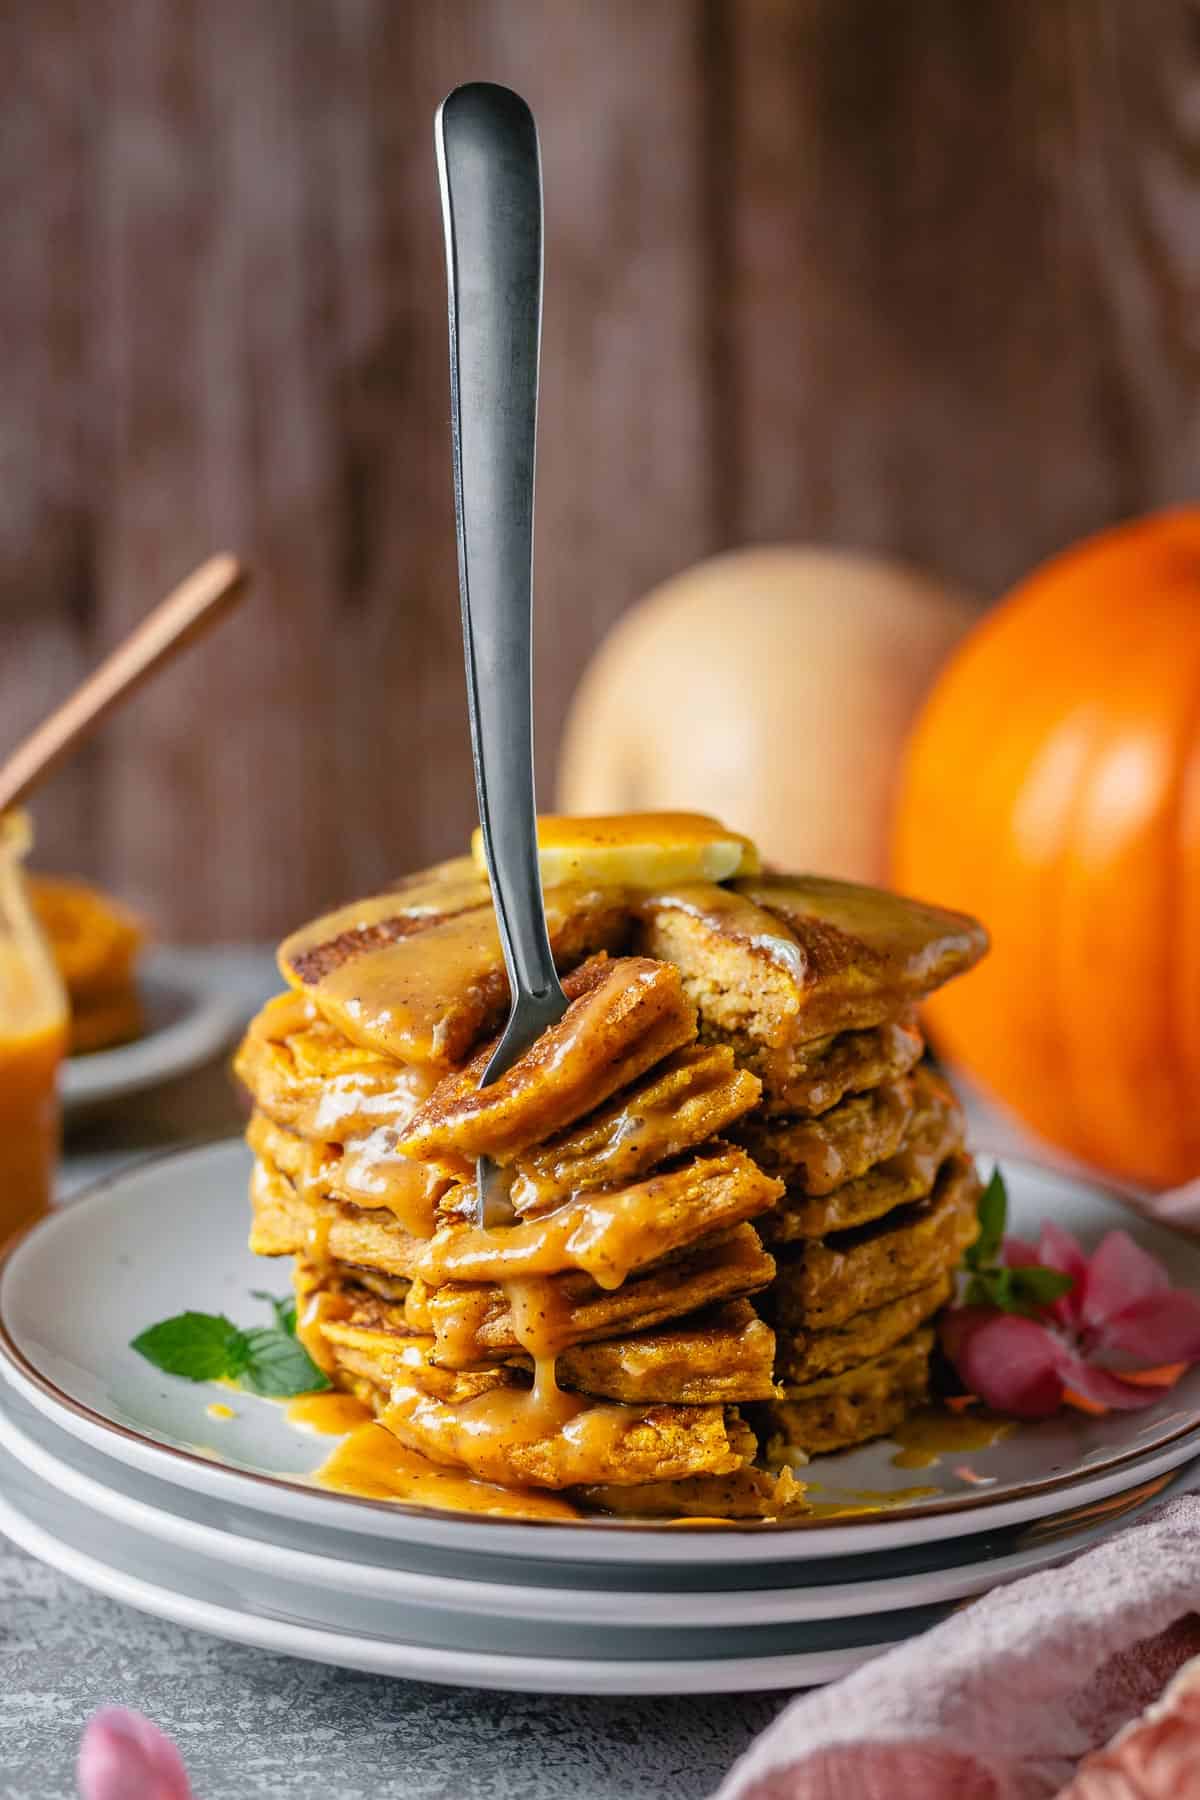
x=641 y=850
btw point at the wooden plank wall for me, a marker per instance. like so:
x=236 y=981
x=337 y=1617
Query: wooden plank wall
x=918 y=276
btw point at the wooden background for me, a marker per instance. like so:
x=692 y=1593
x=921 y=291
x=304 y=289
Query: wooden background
x=914 y=274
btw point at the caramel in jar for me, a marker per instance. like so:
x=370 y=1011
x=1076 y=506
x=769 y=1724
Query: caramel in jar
x=33 y=1039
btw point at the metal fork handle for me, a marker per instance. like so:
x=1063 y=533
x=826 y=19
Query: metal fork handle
x=489 y=170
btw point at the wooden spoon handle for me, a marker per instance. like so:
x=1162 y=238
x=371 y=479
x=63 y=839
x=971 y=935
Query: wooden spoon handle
x=187 y=612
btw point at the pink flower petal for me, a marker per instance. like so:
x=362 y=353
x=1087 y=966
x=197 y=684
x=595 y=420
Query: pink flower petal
x=1015 y=1253
x=1057 y=1249
x=1011 y=1362
x=1159 y=1328
x=1118 y=1273
x=123 y=1756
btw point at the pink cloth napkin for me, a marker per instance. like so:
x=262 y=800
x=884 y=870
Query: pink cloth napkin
x=1004 y=1699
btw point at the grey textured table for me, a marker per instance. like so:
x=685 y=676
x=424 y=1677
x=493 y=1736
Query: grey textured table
x=252 y=1725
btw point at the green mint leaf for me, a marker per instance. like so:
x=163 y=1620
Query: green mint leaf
x=278 y=1365
x=1036 y=1286
x=283 y=1306
x=1022 y=1290
x=993 y=1216
x=199 y=1346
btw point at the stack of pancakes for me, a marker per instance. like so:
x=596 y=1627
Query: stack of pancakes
x=734 y=1199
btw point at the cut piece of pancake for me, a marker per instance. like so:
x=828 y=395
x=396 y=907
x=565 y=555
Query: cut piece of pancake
x=784 y=959
x=823 y=1284
x=624 y=1016
x=935 y=1129
x=807 y=1079
x=367 y=1173
x=689 y=1098
x=749 y=1493
x=310 y=1077
x=840 y=1410
x=418 y=975
x=473 y=1324
x=610 y=1234
x=803 y=1356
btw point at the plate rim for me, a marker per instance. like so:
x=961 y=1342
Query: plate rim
x=530 y=1603
x=482 y=1669
x=54 y=1401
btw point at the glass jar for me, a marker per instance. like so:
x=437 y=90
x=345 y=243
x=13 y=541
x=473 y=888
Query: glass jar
x=33 y=1040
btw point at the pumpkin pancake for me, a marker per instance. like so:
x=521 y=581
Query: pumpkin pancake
x=723 y=1354
x=472 y=1324
x=839 y=1410
x=417 y=974
x=287 y=1222
x=611 y=1233
x=802 y=1356
x=624 y=1016
x=807 y=1079
x=936 y=1127
x=749 y=1493
x=368 y=1173
x=311 y=1078
x=815 y=1156
x=825 y=1283
x=778 y=960
x=689 y=1098
x=500 y=1428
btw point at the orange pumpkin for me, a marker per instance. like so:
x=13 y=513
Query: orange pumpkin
x=1052 y=786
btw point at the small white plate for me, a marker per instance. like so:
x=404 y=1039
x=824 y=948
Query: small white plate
x=190 y=1591
x=348 y=1564
x=189 y=1020
x=171 y=1235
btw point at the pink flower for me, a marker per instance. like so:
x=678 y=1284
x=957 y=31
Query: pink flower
x=1120 y=1316
x=124 y=1757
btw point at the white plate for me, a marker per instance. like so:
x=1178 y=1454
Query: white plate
x=189 y=1020
x=192 y=1592
x=345 y=1563
x=170 y=1235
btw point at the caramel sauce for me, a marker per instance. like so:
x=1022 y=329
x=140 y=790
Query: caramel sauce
x=605 y=1235
x=481 y=1434
x=29 y=1062
x=926 y=1436
x=348 y=1102
x=371 y=1172
x=327 y=1414
x=374 y=1465
x=316 y=1240
x=311 y=1310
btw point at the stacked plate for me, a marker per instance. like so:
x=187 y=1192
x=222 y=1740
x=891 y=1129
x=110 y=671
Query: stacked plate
x=134 y=1483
